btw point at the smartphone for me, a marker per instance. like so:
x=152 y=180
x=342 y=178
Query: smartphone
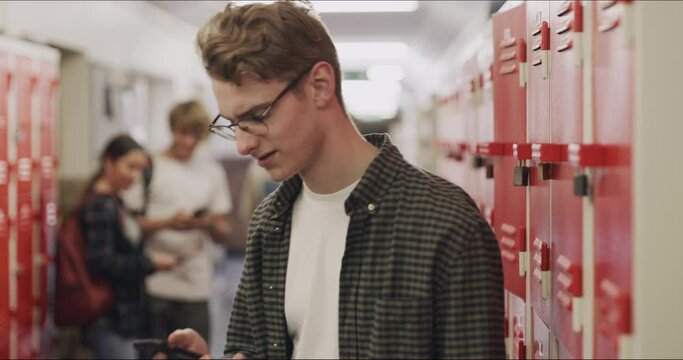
x=200 y=212
x=148 y=347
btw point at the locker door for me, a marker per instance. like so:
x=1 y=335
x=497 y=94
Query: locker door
x=509 y=95
x=485 y=135
x=24 y=219
x=538 y=35
x=4 y=215
x=48 y=188
x=613 y=110
x=541 y=346
x=451 y=133
x=566 y=84
x=470 y=108
x=518 y=327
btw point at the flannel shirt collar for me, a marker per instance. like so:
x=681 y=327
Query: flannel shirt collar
x=369 y=191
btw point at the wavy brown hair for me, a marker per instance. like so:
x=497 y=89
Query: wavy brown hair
x=271 y=41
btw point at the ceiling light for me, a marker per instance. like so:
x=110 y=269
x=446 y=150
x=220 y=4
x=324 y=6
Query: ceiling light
x=371 y=99
x=364 y=6
x=385 y=73
x=371 y=50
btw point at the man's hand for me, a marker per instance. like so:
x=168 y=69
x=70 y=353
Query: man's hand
x=180 y=221
x=188 y=339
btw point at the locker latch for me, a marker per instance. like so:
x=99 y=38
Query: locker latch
x=542 y=262
x=489 y=169
x=581 y=187
x=522 y=152
x=570 y=278
x=478 y=161
x=521 y=175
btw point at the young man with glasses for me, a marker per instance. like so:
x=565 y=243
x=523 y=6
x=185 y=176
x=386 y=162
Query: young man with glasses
x=357 y=254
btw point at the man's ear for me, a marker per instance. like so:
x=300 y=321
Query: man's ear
x=324 y=83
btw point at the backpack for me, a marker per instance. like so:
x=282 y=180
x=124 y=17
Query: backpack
x=80 y=298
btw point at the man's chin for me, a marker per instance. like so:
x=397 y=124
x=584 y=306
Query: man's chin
x=278 y=176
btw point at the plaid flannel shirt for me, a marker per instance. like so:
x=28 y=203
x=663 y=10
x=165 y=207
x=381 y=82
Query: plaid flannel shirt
x=421 y=275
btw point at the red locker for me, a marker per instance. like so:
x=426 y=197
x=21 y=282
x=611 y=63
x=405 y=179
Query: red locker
x=517 y=312
x=566 y=84
x=485 y=135
x=613 y=89
x=538 y=35
x=509 y=127
x=47 y=86
x=23 y=169
x=541 y=346
x=4 y=214
x=453 y=165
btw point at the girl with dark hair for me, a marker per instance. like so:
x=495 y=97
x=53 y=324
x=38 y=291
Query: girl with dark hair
x=113 y=249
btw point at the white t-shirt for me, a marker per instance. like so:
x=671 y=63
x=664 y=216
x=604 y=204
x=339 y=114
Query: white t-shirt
x=198 y=183
x=316 y=249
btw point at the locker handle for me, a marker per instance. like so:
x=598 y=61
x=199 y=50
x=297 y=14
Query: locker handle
x=578 y=16
x=565 y=27
x=542 y=258
x=609 y=25
x=521 y=51
x=566 y=46
x=521 y=350
x=508 y=55
x=565 y=7
x=537 y=62
x=545 y=36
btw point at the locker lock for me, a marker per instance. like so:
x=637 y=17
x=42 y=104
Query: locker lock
x=581 y=187
x=478 y=161
x=521 y=175
x=545 y=171
x=489 y=170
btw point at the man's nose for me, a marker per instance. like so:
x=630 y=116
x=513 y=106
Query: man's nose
x=246 y=143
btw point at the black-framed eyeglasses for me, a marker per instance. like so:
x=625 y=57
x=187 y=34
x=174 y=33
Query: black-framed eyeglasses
x=252 y=123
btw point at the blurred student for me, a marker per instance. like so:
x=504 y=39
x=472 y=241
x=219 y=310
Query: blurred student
x=113 y=252
x=187 y=206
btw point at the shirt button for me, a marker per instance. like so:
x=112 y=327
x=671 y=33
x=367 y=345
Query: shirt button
x=270 y=287
x=277 y=228
x=274 y=345
x=371 y=208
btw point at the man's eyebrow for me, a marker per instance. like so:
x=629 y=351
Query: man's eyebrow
x=252 y=109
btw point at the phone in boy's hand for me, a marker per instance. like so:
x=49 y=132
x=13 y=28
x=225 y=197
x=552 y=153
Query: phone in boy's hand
x=200 y=212
x=147 y=348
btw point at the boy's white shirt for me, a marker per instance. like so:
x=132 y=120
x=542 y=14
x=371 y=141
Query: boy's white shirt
x=316 y=249
x=198 y=183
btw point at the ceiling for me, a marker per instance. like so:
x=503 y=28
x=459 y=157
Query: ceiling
x=430 y=33
x=429 y=30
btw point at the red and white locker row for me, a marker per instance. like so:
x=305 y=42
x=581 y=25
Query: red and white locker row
x=29 y=76
x=514 y=135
